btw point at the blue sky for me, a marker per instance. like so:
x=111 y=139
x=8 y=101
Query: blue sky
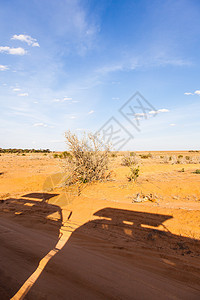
x=73 y=64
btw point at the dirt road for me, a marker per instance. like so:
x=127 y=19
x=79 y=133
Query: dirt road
x=87 y=268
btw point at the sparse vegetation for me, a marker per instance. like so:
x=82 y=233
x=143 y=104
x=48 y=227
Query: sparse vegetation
x=197 y=171
x=128 y=161
x=132 y=154
x=65 y=154
x=113 y=154
x=24 y=150
x=134 y=174
x=145 y=156
x=89 y=159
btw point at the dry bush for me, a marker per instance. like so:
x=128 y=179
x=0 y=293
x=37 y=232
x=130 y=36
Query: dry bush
x=194 y=160
x=128 y=161
x=166 y=159
x=89 y=159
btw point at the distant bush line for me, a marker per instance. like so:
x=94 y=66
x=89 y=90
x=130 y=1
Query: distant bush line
x=24 y=150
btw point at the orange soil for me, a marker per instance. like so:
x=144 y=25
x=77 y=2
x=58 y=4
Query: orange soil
x=110 y=248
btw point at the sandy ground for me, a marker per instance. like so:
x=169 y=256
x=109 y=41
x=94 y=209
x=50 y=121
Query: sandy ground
x=99 y=245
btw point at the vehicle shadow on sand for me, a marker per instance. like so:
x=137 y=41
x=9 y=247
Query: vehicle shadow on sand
x=34 y=212
x=121 y=230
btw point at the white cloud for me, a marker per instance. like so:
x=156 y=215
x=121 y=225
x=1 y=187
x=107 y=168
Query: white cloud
x=27 y=39
x=72 y=117
x=16 y=90
x=115 y=98
x=13 y=51
x=197 y=92
x=140 y=61
x=162 y=110
x=40 y=125
x=62 y=100
x=90 y=112
x=110 y=68
x=139 y=114
x=23 y=95
x=153 y=112
x=3 y=68
x=67 y=99
x=187 y=94
x=172 y=124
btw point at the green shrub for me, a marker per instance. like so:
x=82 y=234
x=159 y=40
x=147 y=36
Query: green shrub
x=134 y=174
x=65 y=154
x=145 y=156
x=180 y=156
x=55 y=155
x=113 y=154
x=197 y=171
x=132 y=154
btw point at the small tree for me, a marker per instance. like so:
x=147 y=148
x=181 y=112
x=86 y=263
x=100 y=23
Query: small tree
x=89 y=158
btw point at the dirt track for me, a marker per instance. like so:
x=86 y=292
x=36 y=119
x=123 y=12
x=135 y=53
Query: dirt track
x=86 y=268
x=110 y=248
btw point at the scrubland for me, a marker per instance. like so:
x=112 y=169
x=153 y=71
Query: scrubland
x=113 y=239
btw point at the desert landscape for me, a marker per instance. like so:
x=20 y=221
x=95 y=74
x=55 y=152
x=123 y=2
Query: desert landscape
x=117 y=239
x=99 y=150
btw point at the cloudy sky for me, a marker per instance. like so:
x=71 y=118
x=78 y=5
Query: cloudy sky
x=74 y=65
